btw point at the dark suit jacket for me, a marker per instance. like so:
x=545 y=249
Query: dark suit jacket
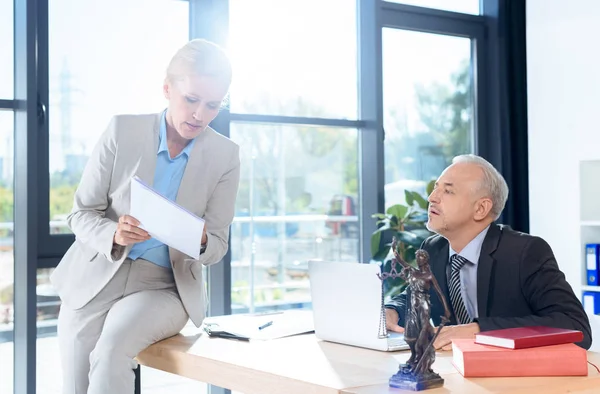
x=518 y=284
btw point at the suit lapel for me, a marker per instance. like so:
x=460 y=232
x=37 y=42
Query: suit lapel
x=188 y=195
x=192 y=180
x=484 y=268
x=147 y=166
x=438 y=268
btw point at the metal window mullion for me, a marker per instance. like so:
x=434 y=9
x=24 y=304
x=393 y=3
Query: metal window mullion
x=7 y=104
x=371 y=136
x=295 y=120
x=209 y=19
x=25 y=195
x=429 y=23
x=389 y=7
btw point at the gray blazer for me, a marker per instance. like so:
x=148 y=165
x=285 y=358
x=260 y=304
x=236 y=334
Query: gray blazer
x=129 y=147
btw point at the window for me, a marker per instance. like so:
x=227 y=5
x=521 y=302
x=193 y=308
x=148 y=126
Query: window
x=6 y=49
x=6 y=251
x=464 y=6
x=297 y=201
x=49 y=373
x=290 y=59
x=428 y=107
x=100 y=72
x=298 y=198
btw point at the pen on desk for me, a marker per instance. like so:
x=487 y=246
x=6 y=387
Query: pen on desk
x=265 y=325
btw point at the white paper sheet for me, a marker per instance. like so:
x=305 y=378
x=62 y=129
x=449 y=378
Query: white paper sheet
x=283 y=324
x=166 y=221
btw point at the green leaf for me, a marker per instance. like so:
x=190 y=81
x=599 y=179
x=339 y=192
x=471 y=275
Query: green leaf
x=378 y=216
x=382 y=253
x=423 y=203
x=397 y=210
x=409 y=255
x=429 y=187
x=393 y=221
x=375 y=241
x=409 y=238
x=410 y=200
x=383 y=228
x=422 y=233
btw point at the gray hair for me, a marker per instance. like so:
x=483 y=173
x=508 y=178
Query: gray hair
x=493 y=182
x=200 y=57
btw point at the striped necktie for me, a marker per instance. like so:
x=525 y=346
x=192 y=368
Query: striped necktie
x=460 y=311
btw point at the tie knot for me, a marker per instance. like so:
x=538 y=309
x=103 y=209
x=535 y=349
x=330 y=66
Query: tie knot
x=457 y=262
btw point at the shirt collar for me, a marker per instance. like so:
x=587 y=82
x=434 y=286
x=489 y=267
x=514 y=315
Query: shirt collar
x=472 y=251
x=162 y=139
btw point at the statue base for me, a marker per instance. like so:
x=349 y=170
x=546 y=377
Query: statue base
x=405 y=379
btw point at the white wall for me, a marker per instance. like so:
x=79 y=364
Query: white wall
x=563 y=77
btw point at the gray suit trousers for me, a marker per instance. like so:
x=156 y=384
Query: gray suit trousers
x=139 y=306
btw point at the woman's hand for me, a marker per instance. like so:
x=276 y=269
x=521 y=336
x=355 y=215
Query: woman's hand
x=128 y=231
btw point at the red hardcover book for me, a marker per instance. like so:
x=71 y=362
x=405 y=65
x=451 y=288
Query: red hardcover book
x=525 y=337
x=473 y=360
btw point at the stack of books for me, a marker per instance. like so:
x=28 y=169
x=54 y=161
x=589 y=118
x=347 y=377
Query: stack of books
x=523 y=351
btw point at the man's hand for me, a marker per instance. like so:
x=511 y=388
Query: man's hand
x=448 y=333
x=391 y=320
x=128 y=231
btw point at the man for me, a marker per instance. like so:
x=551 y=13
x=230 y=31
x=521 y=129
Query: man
x=492 y=276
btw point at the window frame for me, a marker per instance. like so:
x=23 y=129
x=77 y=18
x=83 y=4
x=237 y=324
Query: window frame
x=36 y=248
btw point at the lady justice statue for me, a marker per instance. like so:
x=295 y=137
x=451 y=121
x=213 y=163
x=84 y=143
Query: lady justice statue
x=416 y=374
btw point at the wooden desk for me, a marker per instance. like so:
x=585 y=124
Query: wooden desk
x=306 y=365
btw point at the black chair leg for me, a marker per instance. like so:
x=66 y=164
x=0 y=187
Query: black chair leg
x=138 y=380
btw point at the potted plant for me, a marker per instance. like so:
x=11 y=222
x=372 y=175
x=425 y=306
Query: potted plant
x=407 y=223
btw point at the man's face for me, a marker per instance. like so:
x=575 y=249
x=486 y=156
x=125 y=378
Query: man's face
x=454 y=202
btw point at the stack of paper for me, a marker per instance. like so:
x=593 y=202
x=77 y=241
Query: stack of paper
x=274 y=325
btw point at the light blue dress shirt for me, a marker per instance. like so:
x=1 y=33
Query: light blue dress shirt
x=468 y=273
x=167 y=178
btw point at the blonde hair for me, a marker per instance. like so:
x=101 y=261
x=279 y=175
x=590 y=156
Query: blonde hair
x=200 y=57
x=493 y=183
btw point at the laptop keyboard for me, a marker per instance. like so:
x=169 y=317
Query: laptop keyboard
x=398 y=341
x=395 y=339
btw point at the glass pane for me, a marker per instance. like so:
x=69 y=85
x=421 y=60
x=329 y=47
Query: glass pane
x=48 y=365
x=6 y=49
x=464 y=6
x=428 y=107
x=101 y=72
x=6 y=251
x=282 y=67
x=298 y=200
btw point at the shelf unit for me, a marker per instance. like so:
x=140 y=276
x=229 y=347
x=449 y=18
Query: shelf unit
x=590 y=223
x=589 y=228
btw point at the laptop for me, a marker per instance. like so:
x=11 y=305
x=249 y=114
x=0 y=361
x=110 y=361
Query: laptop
x=346 y=303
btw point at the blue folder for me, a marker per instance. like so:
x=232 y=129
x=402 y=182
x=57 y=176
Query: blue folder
x=592 y=252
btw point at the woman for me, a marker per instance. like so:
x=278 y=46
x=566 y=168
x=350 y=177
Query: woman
x=122 y=290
